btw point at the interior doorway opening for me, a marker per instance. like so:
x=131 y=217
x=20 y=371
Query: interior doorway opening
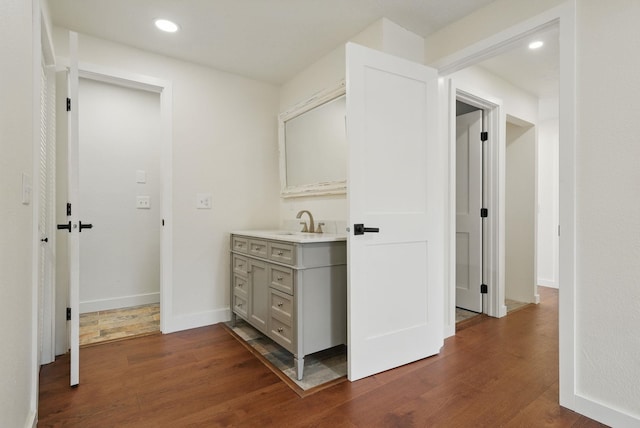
x=119 y=193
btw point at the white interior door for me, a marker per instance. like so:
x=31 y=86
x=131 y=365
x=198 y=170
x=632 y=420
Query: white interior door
x=395 y=182
x=73 y=216
x=468 y=205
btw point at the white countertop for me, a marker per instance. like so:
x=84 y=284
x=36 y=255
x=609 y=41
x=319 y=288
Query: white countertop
x=291 y=236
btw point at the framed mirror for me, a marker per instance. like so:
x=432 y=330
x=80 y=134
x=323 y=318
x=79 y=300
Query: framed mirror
x=313 y=146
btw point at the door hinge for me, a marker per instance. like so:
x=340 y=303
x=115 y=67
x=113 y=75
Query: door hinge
x=68 y=104
x=484 y=212
x=484 y=136
x=484 y=288
x=68 y=209
x=68 y=314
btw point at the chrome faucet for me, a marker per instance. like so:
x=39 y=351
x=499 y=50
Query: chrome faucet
x=311 y=225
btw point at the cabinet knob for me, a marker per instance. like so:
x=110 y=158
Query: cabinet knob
x=280 y=253
x=280 y=329
x=280 y=304
x=279 y=278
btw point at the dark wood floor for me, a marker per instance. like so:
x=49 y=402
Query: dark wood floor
x=496 y=372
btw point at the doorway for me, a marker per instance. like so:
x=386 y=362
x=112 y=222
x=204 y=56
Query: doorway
x=160 y=92
x=119 y=191
x=469 y=204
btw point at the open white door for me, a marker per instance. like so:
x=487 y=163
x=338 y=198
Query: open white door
x=468 y=205
x=395 y=182
x=73 y=211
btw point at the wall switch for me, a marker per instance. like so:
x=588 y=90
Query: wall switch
x=141 y=176
x=26 y=189
x=203 y=201
x=143 y=202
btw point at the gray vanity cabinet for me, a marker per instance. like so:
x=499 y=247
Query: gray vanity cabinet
x=294 y=293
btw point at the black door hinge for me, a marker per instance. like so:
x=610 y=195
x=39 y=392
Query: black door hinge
x=68 y=314
x=68 y=209
x=68 y=104
x=484 y=288
x=484 y=136
x=484 y=212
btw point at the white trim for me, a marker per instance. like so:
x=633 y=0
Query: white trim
x=36 y=56
x=603 y=413
x=165 y=89
x=32 y=420
x=200 y=319
x=119 y=302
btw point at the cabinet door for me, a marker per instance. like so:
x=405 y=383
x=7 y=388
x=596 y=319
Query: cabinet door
x=259 y=302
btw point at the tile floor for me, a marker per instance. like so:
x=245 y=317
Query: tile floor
x=116 y=324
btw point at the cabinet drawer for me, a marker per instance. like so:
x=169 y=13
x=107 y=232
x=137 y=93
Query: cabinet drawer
x=240 y=305
x=282 y=334
x=240 y=264
x=240 y=286
x=258 y=248
x=239 y=244
x=281 y=307
x=282 y=279
x=281 y=252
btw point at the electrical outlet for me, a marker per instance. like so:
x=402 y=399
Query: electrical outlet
x=143 y=202
x=203 y=201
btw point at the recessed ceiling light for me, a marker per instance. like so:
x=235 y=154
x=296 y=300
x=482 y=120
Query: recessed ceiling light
x=166 y=25
x=536 y=45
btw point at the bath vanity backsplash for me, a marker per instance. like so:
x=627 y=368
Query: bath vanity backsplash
x=292 y=287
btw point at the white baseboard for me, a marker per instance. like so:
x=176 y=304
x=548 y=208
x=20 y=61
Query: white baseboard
x=547 y=283
x=604 y=414
x=32 y=420
x=200 y=319
x=119 y=302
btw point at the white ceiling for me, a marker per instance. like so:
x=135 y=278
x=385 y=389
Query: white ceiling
x=273 y=40
x=268 y=40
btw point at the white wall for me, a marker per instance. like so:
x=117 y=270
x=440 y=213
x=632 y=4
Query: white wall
x=17 y=388
x=516 y=102
x=608 y=212
x=520 y=187
x=224 y=143
x=547 y=233
x=120 y=256
x=606 y=297
x=327 y=73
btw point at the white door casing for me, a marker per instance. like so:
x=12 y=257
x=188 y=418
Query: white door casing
x=395 y=182
x=73 y=199
x=468 y=205
x=46 y=215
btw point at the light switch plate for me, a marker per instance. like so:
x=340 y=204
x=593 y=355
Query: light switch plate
x=27 y=188
x=143 y=202
x=141 y=176
x=203 y=201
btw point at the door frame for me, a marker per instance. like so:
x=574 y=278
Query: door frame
x=493 y=230
x=165 y=90
x=564 y=16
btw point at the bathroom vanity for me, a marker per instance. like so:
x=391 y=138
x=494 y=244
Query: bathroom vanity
x=292 y=287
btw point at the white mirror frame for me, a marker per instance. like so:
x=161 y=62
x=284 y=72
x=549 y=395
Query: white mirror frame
x=311 y=189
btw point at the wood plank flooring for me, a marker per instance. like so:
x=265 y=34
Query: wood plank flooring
x=496 y=372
